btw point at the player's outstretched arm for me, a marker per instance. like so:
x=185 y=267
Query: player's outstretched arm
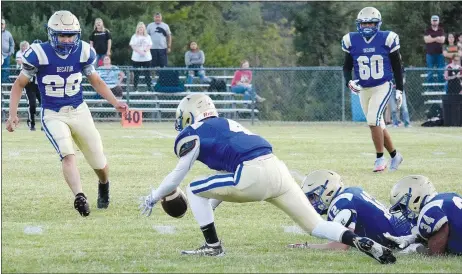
x=101 y=87
x=15 y=96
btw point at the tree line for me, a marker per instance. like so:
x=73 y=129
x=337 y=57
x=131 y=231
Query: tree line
x=268 y=34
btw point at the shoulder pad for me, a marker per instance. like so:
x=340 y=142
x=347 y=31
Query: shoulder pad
x=392 y=41
x=36 y=56
x=87 y=54
x=346 y=43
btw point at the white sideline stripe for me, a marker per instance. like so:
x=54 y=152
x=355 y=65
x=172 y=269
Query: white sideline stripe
x=165 y=229
x=164 y=135
x=439 y=153
x=293 y=229
x=33 y=230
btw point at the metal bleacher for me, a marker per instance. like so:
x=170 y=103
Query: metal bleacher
x=156 y=106
x=434 y=97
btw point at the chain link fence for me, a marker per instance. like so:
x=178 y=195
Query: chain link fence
x=292 y=94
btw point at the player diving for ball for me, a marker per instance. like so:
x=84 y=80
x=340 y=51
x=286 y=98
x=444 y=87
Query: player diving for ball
x=350 y=206
x=375 y=57
x=246 y=170
x=438 y=216
x=58 y=65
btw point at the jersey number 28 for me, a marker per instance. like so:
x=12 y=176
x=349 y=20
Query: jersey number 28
x=57 y=86
x=370 y=67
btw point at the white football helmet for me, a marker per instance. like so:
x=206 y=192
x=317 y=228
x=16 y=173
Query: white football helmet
x=63 y=22
x=321 y=187
x=410 y=194
x=194 y=108
x=369 y=15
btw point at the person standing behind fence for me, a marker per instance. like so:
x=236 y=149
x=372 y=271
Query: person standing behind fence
x=7 y=51
x=395 y=110
x=141 y=56
x=242 y=83
x=434 y=40
x=161 y=38
x=453 y=74
x=23 y=46
x=100 y=40
x=451 y=49
x=194 y=58
x=112 y=76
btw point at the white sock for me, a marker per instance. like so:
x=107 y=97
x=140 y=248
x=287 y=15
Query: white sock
x=215 y=203
x=329 y=230
x=200 y=207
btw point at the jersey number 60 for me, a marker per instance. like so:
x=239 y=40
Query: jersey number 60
x=372 y=66
x=56 y=86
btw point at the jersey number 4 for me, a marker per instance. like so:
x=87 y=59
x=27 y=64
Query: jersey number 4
x=57 y=86
x=370 y=67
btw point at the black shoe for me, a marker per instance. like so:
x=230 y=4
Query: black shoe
x=206 y=250
x=103 y=195
x=32 y=128
x=374 y=250
x=81 y=204
x=42 y=129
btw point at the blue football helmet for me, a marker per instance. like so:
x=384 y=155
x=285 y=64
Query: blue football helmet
x=63 y=22
x=369 y=15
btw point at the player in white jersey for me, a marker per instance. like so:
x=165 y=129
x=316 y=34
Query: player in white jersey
x=246 y=170
x=58 y=66
x=375 y=57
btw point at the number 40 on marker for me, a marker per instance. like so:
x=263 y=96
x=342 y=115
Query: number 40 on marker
x=132 y=118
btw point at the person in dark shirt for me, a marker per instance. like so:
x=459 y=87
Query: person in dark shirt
x=434 y=39
x=100 y=40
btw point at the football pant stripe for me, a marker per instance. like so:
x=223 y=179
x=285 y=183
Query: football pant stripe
x=382 y=105
x=217 y=181
x=49 y=136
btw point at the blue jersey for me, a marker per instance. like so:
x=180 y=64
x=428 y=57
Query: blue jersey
x=443 y=208
x=59 y=80
x=371 y=59
x=224 y=143
x=357 y=210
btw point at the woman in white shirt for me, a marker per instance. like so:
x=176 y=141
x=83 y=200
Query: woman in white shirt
x=141 y=56
x=23 y=46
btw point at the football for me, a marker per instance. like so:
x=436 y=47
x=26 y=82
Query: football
x=175 y=204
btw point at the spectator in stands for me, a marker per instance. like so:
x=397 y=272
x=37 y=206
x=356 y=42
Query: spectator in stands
x=100 y=40
x=453 y=75
x=451 y=49
x=434 y=40
x=141 y=56
x=459 y=45
x=7 y=51
x=195 y=58
x=161 y=39
x=395 y=111
x=23 y=46
x=242 y=83
x=112 y=76
x=32 y=95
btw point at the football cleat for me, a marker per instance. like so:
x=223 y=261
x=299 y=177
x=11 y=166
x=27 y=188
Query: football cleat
x=382 y=254
x=103 y=195
x=206 y=250
x=396 y=161
x=380 y=164
x=81 y=204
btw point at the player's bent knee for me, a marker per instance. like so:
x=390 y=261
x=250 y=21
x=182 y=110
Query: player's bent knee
x=98 y=162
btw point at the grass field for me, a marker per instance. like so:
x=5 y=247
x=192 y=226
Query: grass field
x=41 y=231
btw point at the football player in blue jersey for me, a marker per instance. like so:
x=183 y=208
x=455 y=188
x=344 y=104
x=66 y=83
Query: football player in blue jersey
x=438 y=215
x=375 y=57
x=246 y=170
x=58 y=66
x=352 y=207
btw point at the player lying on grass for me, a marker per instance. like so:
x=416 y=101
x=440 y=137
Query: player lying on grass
x=245 y=170
x=350 y=206
x=438 y=216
